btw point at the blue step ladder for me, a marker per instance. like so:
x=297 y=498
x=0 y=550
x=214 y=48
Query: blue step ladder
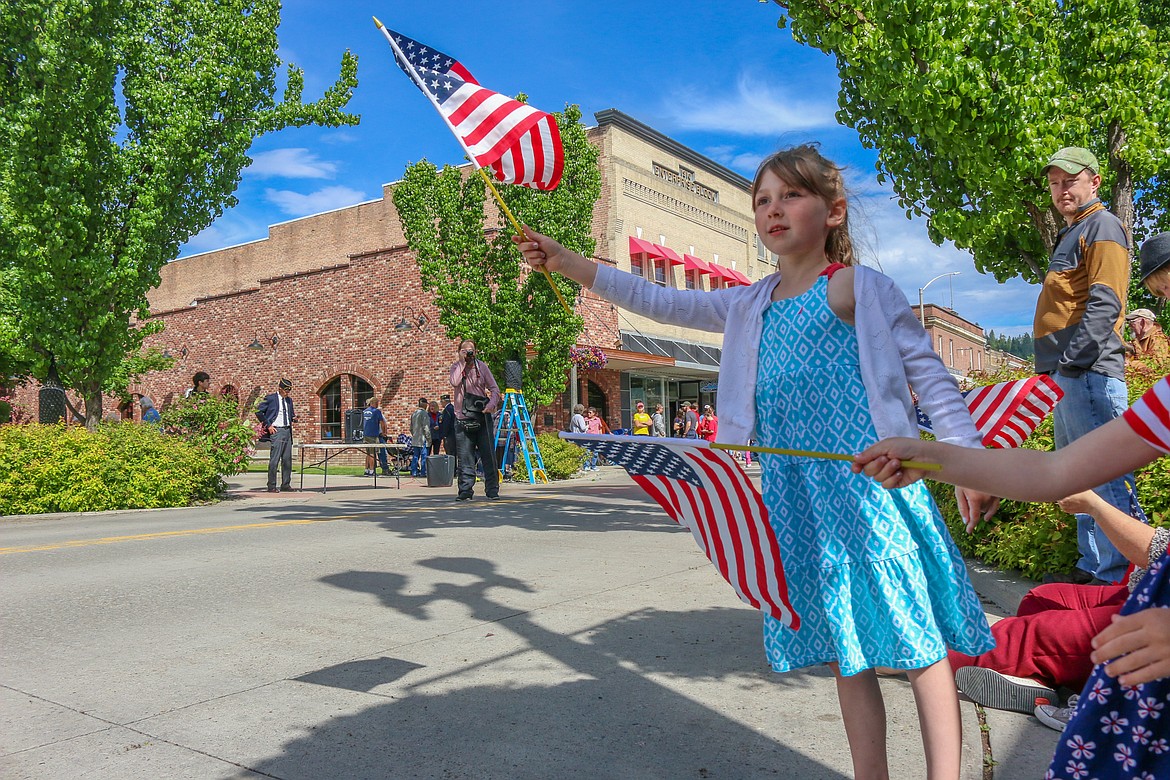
x=514 y=419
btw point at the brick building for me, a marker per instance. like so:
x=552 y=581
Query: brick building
x=960 y=343
x=333 y=301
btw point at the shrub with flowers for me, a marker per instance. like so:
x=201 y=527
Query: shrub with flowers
x=588 y=357
x=213 y=425
x=10 y=410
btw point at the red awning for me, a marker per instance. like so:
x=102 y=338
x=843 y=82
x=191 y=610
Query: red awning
x=739 y=276
x=671 y=256
x=692 y=263
x=721 y=272
x=643 y=248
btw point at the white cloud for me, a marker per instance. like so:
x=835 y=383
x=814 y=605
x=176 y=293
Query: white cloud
x=295 y=163
x=904 y=251
x=754 y=108
x=230 y=229
x=730 y=156
x=296 y=204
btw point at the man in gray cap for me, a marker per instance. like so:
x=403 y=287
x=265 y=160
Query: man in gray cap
x=1078 y=326
x=275 y=413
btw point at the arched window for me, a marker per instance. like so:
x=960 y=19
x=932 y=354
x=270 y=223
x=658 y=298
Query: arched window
x=362 y=391
x=595 y=397
x=331 y=410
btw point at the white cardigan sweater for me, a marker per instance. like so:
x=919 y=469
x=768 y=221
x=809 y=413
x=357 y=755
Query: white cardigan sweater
x=895 y=351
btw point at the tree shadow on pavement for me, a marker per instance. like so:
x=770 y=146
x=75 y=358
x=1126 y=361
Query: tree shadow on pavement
x=593 y=509
x=647 y=694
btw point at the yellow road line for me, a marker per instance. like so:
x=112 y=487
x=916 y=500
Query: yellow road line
x=216 y=530
x=163 y=535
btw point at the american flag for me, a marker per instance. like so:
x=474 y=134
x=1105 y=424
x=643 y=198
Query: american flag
x=519 y=143
x=707 y=491
x=1007 y=413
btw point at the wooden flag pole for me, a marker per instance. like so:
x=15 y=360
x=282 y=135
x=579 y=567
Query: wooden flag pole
x=520 y=232
x=909 y=464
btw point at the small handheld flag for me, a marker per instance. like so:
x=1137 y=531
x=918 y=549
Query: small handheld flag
x=1007 y=413
x=705 y=490
x=522 y=145
x=519 y=143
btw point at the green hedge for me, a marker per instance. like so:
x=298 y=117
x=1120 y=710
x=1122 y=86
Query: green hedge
x=561 y=459
x=1040 y=538
x=53 y=468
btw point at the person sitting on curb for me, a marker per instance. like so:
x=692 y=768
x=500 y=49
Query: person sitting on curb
x=1047 y=644
x=1115 y=725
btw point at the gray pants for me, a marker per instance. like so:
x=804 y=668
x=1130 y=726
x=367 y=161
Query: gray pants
x=281 y=453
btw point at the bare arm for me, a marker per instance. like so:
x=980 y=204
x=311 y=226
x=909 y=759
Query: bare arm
x=1132 y=537
x=1025 y=475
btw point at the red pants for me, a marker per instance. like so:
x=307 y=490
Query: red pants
x=1050 y=637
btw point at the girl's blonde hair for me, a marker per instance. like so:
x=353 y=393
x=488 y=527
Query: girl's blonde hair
x=1161 y=274
x=805 y=167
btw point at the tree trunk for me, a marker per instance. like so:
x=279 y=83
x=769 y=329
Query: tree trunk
x=1121 y=194
x=93 y=406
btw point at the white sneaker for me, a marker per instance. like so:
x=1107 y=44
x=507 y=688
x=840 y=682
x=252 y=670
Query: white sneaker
x=1001 y=691
x=1057 y=717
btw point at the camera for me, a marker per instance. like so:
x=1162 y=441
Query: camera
x=471 y=354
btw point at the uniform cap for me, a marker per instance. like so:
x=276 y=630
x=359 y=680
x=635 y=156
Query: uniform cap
x=285 y=384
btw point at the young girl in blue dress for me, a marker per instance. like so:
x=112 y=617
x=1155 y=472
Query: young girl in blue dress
x=821 y=355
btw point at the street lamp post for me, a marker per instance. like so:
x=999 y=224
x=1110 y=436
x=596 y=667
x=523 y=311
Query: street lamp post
x=922 y=289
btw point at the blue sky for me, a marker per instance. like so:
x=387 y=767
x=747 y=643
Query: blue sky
x=718 y=77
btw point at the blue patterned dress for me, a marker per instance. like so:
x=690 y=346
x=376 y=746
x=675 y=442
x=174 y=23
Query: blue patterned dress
x=873 y=573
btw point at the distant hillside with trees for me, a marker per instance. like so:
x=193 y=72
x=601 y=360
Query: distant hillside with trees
x=1020 y=346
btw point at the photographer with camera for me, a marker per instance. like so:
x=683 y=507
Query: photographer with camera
x=477 y=396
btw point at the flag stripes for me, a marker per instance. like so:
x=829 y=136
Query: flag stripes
x=1007 y=413
x=521 y=144
x=1150 y=416
x=706 y=491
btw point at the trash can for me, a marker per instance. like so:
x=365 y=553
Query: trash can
x=440 y=470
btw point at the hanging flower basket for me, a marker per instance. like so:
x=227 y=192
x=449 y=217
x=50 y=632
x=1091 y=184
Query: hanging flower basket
x=587 y=357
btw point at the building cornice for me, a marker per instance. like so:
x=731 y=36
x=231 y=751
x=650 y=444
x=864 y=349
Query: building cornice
x=611 y=116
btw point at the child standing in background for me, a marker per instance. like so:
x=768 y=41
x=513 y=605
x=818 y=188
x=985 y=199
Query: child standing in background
x=818 y=356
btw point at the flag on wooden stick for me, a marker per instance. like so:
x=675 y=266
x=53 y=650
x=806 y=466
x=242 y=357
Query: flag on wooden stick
x=1008 y=412
x=705 y=490
x=519 y=143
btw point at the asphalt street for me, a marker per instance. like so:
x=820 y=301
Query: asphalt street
x=566 y=631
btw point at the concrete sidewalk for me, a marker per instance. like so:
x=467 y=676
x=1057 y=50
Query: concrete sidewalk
x=566 y=631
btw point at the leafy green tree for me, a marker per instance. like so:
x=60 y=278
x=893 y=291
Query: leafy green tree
x=475 y=274
x=124 y=126
x=964 y=101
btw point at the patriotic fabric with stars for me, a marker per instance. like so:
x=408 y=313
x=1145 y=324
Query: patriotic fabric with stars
x=706 y=491
x=519 y=143
x=1007 y=413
